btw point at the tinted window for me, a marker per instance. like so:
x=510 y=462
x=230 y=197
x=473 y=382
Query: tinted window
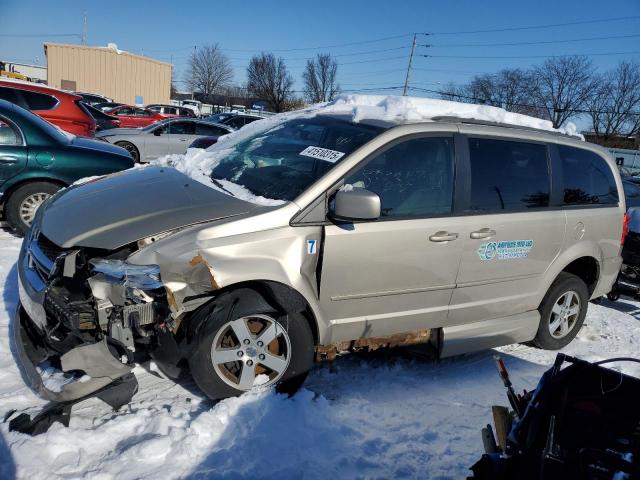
x=9 y=134
x=13 y=96
x=248 y=120
x=209 y=130
x=587 y=178
x=141 y=112
x=235 y=122
x=413 y=178
x=508 y=175
x=125 y=111
x=39 y=101
x=182 y=128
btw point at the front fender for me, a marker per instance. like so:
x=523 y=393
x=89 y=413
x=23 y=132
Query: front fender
x=191 y=268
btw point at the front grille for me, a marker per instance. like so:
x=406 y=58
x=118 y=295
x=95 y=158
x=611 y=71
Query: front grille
x=50 y=249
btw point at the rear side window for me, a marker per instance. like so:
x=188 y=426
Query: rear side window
x=182 y=128
x=209 y=130
x=587 y=178
x=9 y=134
x=39 y=101
x=11 y=95
x=508 y=175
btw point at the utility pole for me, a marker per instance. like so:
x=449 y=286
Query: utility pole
x=84 y=28
x=193 y=73
x=406 y=80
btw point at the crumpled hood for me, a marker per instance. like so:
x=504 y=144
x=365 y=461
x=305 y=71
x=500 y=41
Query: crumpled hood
x=127 y=206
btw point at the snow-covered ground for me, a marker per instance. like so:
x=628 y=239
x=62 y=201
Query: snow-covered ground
x=377 y=417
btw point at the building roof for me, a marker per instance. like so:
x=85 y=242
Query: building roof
x=111 y=48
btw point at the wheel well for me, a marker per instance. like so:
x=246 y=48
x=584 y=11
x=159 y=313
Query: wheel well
x=282 y=296
x=15 y=186
x=587 y=269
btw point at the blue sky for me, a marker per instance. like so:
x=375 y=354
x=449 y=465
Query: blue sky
x=169 y=30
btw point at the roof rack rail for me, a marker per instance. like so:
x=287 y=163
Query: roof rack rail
x=474 y=121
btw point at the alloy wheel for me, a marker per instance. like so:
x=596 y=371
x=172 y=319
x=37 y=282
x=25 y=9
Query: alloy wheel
x=251 y=352
x=564 y=314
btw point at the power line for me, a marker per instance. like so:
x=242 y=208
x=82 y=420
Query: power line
x=532 y=56
x=535 y=27
x=543 y=42
x=337 y=45
x=39 y=35
x=486 y=101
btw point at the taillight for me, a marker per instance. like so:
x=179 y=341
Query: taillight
x=625 y=228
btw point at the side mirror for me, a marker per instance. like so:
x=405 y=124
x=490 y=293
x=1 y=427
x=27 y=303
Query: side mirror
x=356 y=204
x=157 y=132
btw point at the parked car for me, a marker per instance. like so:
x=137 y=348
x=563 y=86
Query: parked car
x=631 y=193
x=161 y=138
x=61 y=108
x=37 y=159
x=448 y=233
x=171 y=110
x=93 y=98
x=104 y=121
x=104 y=106
x=134 y=117
x=194 y=105
x=234 y=120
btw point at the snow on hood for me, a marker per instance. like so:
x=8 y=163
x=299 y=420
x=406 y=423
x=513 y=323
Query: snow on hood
x=380 y=110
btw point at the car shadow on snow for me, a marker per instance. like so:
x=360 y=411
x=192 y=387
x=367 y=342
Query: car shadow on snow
x=10 y=299
x=623 y=305
x=7 y=465
x=385 y=415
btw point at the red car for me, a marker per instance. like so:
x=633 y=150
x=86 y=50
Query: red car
x=133 y=117
x=61 y=108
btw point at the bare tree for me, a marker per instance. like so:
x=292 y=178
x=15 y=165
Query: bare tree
x=208 y=70
x=562 y=87
x=508 y=89
x=269 y=80
x=319 y=78
x=616 y=100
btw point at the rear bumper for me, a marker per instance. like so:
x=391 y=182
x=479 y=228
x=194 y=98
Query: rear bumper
x=608 y=274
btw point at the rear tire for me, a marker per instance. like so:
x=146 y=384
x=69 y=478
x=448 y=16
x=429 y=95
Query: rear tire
x=24 y=201
x=230 y=352
x=562 y=312
x=131 y=148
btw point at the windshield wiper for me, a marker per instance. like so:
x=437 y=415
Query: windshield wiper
x=219 y=185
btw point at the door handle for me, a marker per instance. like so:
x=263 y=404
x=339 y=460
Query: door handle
x=8 y=159
x=443 y=236
x=483 y=233
x=183 y=139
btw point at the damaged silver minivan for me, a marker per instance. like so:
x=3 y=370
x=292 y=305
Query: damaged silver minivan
x=316 y=235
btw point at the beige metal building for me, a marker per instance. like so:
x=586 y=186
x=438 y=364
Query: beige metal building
x=116 y=74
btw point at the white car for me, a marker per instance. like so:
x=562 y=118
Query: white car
x=169 y=136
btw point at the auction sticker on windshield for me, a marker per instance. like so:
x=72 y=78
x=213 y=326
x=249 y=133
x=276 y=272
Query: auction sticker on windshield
x=322 y=154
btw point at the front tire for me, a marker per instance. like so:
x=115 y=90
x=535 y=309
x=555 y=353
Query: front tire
x=235 y=354
x=24 y=201
x=562 y=312
x=131 y=148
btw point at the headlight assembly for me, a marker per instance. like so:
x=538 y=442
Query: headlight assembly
x=143 y=277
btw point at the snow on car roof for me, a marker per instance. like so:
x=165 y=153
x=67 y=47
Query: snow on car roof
x=390 y=110
x=384 y=111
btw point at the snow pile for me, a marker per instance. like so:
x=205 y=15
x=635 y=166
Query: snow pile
x=55 y=379
x=385 y=111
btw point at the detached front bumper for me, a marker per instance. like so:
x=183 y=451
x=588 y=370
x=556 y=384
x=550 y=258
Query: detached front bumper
x=95 y=360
